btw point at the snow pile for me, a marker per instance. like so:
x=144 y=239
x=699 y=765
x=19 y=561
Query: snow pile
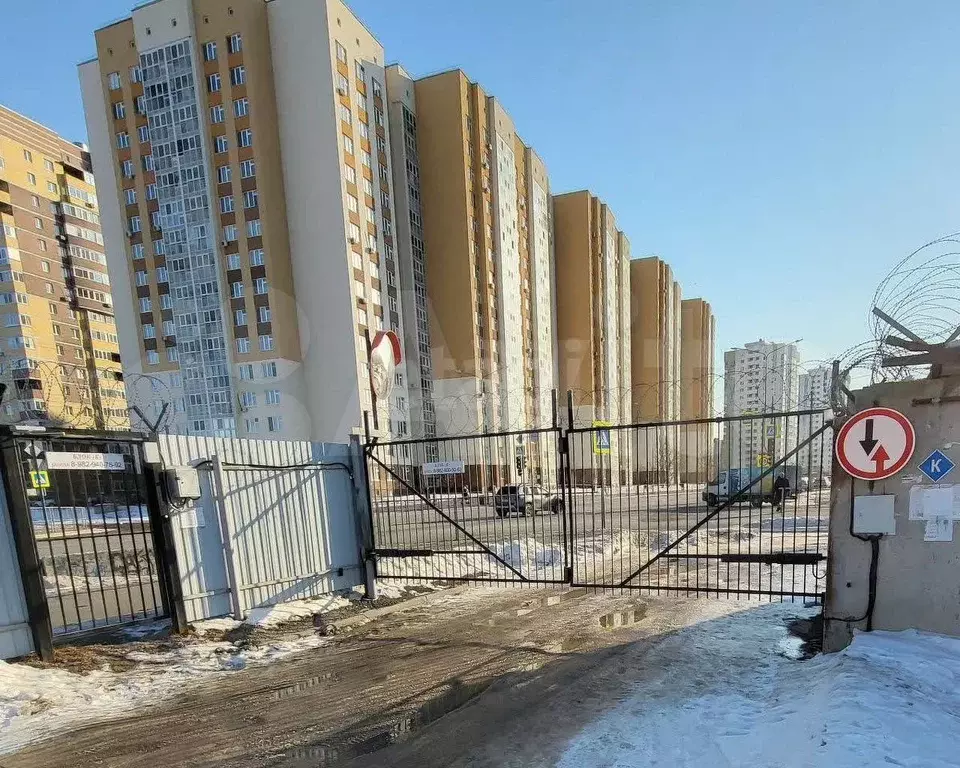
x=37 y=703
x=529 y=555
x=727 y=692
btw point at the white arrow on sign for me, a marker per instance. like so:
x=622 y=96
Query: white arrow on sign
x=875 y=443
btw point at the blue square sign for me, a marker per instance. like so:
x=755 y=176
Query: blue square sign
x=937 y=466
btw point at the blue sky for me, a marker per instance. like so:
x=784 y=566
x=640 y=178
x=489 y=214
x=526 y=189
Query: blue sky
x=781 y=155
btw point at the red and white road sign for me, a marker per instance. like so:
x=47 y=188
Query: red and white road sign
x=876 y=443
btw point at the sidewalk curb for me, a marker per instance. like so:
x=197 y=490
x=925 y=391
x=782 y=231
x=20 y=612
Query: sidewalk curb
x=376 y=613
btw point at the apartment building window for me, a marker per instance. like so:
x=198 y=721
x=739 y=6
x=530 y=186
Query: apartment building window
x=343 y=86
x=240 y=317
x=134 y=224
x=235 y=43
x=233 y=261
x=241 y=107
x=210 y=51
x=350 y=174
x=131 y=196
x=263 y=315
x=217 y=113
x=119 y=111
x=224 y=173
x=245 y=138
x=360 y=72
x=32 y=178
x=256 y=257
x=246 y=371
x=274 y=423
x=162 y=275
x=354 y=231
x=213 y=82
x=366 y=158
x=226 y=204
x=348 y=145
x=141 y=278
x=243 y=346
x=147 y=162
x=360 y=288
x=248 y=399
x=368 y=187
x=155 y=220
x=123 y=140
x=153 y=357
x=352 y=204
x=236 y=290
x=387 y=227
x=378 y=119
x=268 y=370
x=145 y=304
x=250 y=199
x=384 y=200
x=126 y=169
x=140 y=105
x=137 y=251
x=166 y=301
x=272 y=396
x=149 y=331
x=254 y=228
x=238 y=75
x=158 y=249
x=364 y=130
x=113 y=79
x=384 y=174
x=220 y=144
x=151 y=191
x=51 y=187
x=248 y=168
x=230 y=233
x=341 y=53
x=136 y=74
x=168 y=328
x=382 y=144
x=376 y=88
x=371 y=216
x=361 y=103
x=260 y=286
x=266 y=343
x=172 y=356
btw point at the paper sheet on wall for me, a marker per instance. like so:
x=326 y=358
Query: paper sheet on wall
x=938 y=529
x=192 y=518
x=931 y=501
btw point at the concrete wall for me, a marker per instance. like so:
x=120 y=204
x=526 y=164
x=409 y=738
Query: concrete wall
x=918 y=583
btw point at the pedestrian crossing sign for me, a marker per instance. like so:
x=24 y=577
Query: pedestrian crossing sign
x=40 y=478
x=601 y=437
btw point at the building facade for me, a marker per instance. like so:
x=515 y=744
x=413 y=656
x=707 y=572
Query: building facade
x=59 y=353
x=252 y=227
x=488 y=233
x=696 y=390
x=655 y=329
x=760 y=378
x=593 y=329
x=815 y=392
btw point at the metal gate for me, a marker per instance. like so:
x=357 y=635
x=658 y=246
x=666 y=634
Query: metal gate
x=734 y=506
x=86 y=524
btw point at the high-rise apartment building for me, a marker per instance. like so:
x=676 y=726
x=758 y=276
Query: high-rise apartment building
x=698 y=331
x=815 y=392
x=593 y=289
x=490 y=280
x=59 y=357
x=760 y=378
x=252 y=225
x=655 y=299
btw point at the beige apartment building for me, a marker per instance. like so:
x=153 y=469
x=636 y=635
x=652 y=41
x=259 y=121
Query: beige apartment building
x=593 y=327
x=697 y=353
x=59 y=356
x=487 y=226
x=252 y=228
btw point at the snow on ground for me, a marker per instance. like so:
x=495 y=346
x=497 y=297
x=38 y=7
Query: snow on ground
x=35 y=703
x=730 y=692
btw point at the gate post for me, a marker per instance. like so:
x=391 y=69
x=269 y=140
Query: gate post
x=161 y=527
x=363 y=514
x=38 y=611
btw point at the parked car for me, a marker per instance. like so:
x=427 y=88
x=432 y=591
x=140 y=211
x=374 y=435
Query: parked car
x=730 y=482
x=526 y=499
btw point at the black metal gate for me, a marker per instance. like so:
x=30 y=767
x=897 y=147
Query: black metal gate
x=86 y=522
x=734 y=506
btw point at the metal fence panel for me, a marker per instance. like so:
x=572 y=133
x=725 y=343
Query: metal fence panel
x=15 y=636
x=292 y=532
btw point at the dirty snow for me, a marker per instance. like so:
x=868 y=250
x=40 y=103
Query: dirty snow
x=729 y=692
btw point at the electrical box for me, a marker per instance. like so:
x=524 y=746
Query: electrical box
x=874 y=515
x=183 y=483
x=151 y=453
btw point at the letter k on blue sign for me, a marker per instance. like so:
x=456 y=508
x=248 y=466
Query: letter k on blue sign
x=937 y=466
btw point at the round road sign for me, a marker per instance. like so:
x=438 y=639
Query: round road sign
x=875 y=443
